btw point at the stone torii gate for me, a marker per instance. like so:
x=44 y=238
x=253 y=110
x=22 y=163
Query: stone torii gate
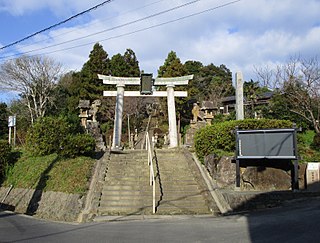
x=121 y=82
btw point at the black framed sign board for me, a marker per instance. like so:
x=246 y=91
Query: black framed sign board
x=267 y=144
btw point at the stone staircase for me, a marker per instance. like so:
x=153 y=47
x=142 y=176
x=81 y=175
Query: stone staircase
x=182 y=188
x=179 y=186
x=126 y=188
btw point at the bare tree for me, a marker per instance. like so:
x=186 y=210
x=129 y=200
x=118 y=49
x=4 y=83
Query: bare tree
x=34 y=78
x=299 y=80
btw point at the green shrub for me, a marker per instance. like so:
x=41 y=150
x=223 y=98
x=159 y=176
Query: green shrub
x=316 y=142
x=220 y=137
x=56 y=135
x=75 y=145
x=45 y=136
x=5 y=151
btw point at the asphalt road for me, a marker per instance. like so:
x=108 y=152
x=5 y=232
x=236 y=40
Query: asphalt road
x=294 y=222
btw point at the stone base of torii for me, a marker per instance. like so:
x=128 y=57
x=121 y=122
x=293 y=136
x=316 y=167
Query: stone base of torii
x=121 y=82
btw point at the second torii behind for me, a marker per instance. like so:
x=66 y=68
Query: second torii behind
x=121 y=82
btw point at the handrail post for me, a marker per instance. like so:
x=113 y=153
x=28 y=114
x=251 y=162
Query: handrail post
x=149 y=149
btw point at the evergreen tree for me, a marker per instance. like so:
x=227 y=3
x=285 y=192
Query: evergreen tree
x=98 y=63
x=172 y=67
x=118 y=66
x=132 y=63
x=3 y=121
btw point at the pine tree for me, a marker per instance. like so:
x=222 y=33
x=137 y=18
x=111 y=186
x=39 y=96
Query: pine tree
x=118 y=66
x=172 y=67
x=132 y=63
x=98 y=63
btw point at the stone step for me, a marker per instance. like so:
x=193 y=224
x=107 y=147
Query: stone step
x=137 y=169
x=126 y=187
x=181 y=188
x=141 y=197
x=184 y=203
x=128 y=162
x=126 y=179
x=129 y=156
x=177 y=210
x=128 y=203
x=124 y=210
x=122 y=193
x=126 y=175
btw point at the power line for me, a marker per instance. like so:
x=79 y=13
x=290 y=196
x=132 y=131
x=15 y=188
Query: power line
x=110 y=29
x=55 y=25
x=138 y=30
x=92 y=24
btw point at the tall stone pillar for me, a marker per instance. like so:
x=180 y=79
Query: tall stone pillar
x=239 y=96
x=173 y=136
x=116 y=141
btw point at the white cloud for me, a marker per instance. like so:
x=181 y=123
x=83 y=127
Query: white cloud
x=240 y=36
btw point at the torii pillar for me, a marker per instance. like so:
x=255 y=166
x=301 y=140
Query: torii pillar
x=170 y=83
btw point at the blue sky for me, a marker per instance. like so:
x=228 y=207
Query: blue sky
x=242 y=35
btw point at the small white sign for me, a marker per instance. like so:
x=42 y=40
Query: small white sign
x=313 y=166
x=12 y=121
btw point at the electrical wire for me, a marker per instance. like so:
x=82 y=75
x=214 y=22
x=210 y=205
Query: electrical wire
x=110 y=29
x=92 y=24
x=138 y=30
x=57 y=24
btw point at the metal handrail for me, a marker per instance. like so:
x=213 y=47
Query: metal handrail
x=149 y=148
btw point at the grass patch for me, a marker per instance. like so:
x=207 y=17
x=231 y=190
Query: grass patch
x=49 y=173
x=70 y=175
x=306 y=152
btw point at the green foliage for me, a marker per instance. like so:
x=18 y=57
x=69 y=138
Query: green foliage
x=46 y=135
x=3 y=121
x=132 y=64
x=75 y=145
x=105 y=127
x=280 y=108
x=58 y=135
x=125 y=65
x=23 y=119
x=98 y=63
x=118 y=65
x=307 y=150
x=63 y=175
x=27 y=171
x=70 y=175
x=5 y=150
x=172 y=67
x=316 y=142
x=220 y=136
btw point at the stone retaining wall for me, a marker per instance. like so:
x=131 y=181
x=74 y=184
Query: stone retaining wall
x=51 y=205
x=246 y=201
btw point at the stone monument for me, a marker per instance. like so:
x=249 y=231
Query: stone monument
x=239 y=96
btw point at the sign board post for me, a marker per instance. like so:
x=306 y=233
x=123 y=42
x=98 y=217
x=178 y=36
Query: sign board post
x=12 y=124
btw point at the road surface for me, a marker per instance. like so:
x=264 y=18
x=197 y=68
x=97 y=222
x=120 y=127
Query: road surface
x=294 y=222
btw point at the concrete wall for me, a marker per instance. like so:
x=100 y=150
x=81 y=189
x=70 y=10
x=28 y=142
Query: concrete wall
x=57 y=206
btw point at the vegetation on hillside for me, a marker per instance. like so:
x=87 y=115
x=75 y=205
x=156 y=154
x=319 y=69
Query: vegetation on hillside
x=47 y=113
x=50 y=173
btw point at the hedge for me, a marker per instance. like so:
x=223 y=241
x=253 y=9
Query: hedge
x=220 y=138
x=56 y=135
x=75 y=145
